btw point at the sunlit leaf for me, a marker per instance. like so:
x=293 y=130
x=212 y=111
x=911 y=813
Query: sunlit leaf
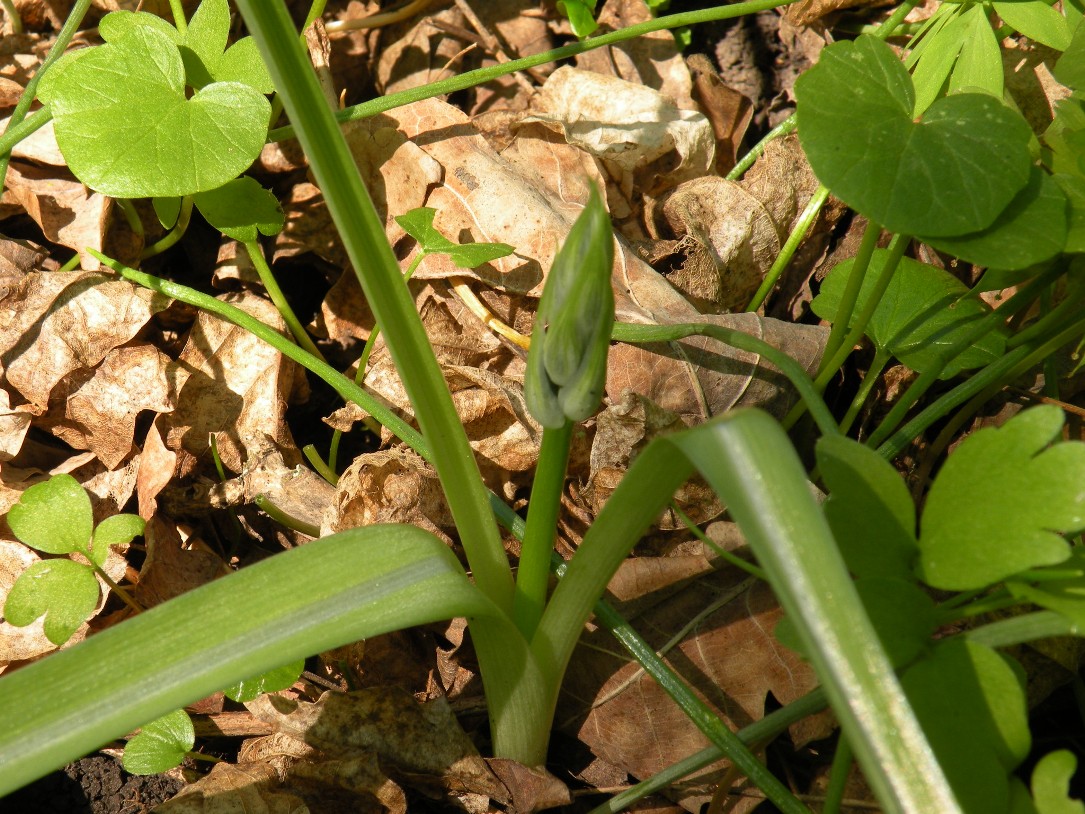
x=54 y=516
x=160 y=745
x=63 y=591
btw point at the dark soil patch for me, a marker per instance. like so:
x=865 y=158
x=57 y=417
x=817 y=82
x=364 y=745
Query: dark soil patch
x=93 y=785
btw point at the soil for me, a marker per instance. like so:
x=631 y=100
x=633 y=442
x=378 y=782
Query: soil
x=93 y=785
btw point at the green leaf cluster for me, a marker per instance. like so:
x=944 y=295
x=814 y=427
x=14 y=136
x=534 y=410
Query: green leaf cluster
x=998 y=512
x=55 y=517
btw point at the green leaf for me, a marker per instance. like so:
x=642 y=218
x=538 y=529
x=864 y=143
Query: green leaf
x=1033 y=228
x=418 y=223
x=1051 y=784
x=338 y=589
x=167 y=210
x=65 y=592
x=160 y=745
x=241 y=209
x=902 y=613
x=869 y=509
x=1064 y=596
x=1036 y=20
x=54 y=516
x=921 y=312
x=950 y=174
x=1070 y=69
x=271 y=681
x=1074 y=188
x=979 y=66
x=116 y=530
x=971 y=704
x=117 y=24
x=203 y=51
x=126 y=129
x=1001 y=501
x=580 y=14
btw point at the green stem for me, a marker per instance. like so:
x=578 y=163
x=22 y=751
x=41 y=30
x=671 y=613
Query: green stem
x=773 y=724
x=282 y=518
x=747 y=161
x=1029 y=627
x=179 y=21
x=1007 y=368
x=13 y=15
x=722 y=553
x=547 y=489
x=881 y=359
x=477 y=77
x=324 y=470
x=798 y=233
x=859 y=268
x=60 y=44
x=271 y=285
x=838 y=777
x=131 y=216
x=362 y=232
x=176 y=233
x=1018 y=302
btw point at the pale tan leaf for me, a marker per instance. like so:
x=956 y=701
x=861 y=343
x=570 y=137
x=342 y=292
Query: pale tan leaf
x=54 y=324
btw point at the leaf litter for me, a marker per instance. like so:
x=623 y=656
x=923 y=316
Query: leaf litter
x=126 y=391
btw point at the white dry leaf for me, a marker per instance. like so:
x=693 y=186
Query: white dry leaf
x=625 y=123
x=40 y=146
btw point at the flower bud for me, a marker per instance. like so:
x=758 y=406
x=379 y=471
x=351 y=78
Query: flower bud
x=567 y=363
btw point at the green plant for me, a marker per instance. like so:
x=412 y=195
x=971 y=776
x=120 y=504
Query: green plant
x=55 y=517
x=365 y=581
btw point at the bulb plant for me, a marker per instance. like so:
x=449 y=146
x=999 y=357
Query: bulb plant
x=852 y=575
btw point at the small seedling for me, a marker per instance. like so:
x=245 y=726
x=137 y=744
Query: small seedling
x=55 y=517
x=160 y=745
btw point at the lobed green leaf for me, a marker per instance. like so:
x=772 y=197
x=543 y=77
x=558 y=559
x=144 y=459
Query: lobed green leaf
x=241 y=209
x=1001 y=503
x=54 y=516
x=64 y=592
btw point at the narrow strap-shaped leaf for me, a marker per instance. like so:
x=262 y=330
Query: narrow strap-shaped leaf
x=337 y=590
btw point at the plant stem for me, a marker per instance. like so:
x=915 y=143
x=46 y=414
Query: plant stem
x=747 y=161
x=363 y=238
x=542 y=517
x=271 y=285
x=798 y=233
x=179 y=16
x=859 y=268
x=13 y=15
x=176 y=233
x=760 y=731
x=477 y=77
x=881 y=359
x=1020 y=629
x=838 y=777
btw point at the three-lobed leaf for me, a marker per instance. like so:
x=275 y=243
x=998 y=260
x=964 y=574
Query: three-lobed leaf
x=951 y=173
x=922 y=312
x=1001 y=503
x=160 y=745
x=418 y=223
x=63 y=591
x=126 y=128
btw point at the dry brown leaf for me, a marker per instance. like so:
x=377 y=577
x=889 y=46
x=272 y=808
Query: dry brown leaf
x=244 y=787
x=173 y=566
x=157 y=466
x=40 y=146
x=782 y=181
x=805 y=12
x=635 y=128
x=67 y=212
x=733 y=242
x=96 y=409
x=14 y=423
x=423 y=744
x=17 y=259
x=392 y=486
x=54 y=324
x=652 y=60
x=232 y=384
x=729 y=657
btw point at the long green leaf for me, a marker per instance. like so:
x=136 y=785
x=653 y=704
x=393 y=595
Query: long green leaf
x=749 y=461
x=325 y=594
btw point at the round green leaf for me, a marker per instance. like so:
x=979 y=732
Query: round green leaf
x=1001 y=503
x=272 y=681
x=160 y=745
x=65 y=592
x=117 y=24
x=126 y=129
x=1028 y=231
x=240 y=209
x=54 y=516
x=116 y=530
x=949 y=174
